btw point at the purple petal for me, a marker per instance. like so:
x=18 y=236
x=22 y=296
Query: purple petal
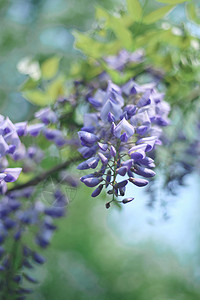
x=108 y=107
x=12 y=174
x=113 y=151
x=141 y=118
x=97 y=191
x=90 y=163
x=3 y=146
x=95 y=102
x=35 y=129
x=103 y=158
x=124 y=137
x=87 y=152
x=144 y=171
x=87 y=138
x=138 y=181
x=145 y=99
x=121 y=184
x=122 y=171
x=149 y=141
x=128 y=163
x=103 y=147
x=111 y=117
x=46 y=115
x=130 y=109
x=124 y=126
x=21 y=128
x=91 y=182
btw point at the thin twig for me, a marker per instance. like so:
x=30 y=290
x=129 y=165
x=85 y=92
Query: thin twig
x=37 y=179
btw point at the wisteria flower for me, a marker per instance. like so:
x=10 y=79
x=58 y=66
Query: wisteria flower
x=118 y=137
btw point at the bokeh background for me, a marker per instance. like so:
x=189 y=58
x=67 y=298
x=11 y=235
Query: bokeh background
x=131 y=253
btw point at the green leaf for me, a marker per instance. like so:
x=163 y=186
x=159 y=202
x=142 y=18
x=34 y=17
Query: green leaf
x=56 y=88
x=93 y=48
x=100 y=14
x=88 y=45
x=53 y=91
x=29 y=84
x=174 y=2
x=118 y=25
x=37 y=97
x=158 y=14
x=193 y=13
x=134 y=9
x=122 y=33
x=49 y=67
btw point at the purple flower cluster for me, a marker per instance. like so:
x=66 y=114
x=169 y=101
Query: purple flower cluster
x=47 y=117
x=25 y=227
x=124 y=58
x=9 y=144
x=126 y=126
x=26 y=224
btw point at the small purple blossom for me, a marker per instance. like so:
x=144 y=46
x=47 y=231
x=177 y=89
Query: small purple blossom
x=46 y=115
x=35 y=129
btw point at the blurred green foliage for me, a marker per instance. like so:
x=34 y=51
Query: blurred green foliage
x=38 y=29
x=171 y=50
x=86 y=261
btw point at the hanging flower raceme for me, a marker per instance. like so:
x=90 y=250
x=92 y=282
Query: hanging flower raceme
x=118 y=137
x=26 y=224
x=11 y=146
x=26 y=228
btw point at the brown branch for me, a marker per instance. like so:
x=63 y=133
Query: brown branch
x=37 y=179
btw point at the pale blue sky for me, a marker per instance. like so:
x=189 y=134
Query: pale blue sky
x=136 y=224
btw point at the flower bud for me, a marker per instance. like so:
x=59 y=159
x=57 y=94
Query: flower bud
x=97 y=191
x=127 y=200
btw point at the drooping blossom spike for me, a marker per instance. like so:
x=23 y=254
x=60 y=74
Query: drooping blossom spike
x=126 y=127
